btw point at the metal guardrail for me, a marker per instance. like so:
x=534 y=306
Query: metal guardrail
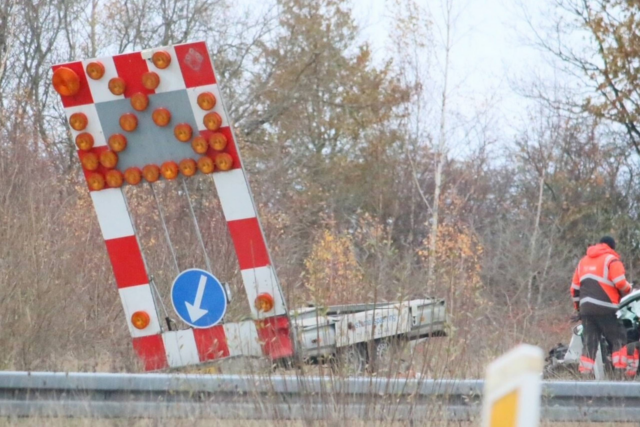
x=235 y=397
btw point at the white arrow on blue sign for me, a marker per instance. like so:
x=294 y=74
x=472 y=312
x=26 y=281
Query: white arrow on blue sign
x=198 y=298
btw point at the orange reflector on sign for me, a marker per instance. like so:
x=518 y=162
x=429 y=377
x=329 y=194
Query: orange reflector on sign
x=264 y=302
x=108 y=159
x=150 y=80
x=90 y=161
x=169 y=170
x=78 y=121
x=200 y=145
x=117 y=85
x=95 y=70
x=133 y=176
x=224 y=161
x=139 y=101
x=114 y=178
x=218 y=141
x=212 y=121
x=140 y=319
x=128 y=122
x=183 y=132
x=151 y=173
x=161 y=59
x=84 y=141
x=188 y=167
x=65 y=81
x=95 y=181
x=117 y=142
x=161 y=116
x=206 y=100
x=206 y=165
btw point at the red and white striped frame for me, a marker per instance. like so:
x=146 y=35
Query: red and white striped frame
x=269 y=334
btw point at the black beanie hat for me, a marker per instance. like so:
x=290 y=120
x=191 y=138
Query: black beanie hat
x=608 y=240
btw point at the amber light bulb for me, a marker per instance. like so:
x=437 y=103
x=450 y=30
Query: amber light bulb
x=95 y=181
x=65 y=81
x=161 y=116
x=150 y=80
x=218 y=141
x=183 y=132
x=212 y=121
x=169 y=170
x=161 y=59
x=206 y=165
x=84 y=141
x=188 y=167
x=95 y=70
x=151 y=173
x=117 y=142
x=139 y=101
x=133 y=176
x=90 y=161
x=117 y=85
x=108 y=159
x=206 y=100
x=78 y=121
x=114 y=178
x=200 y=145
x=224 y=161
x=128 y=122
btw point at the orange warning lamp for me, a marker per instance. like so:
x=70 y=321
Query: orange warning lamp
x=199 y=145
x=140 y=319
x=188 y=167
x=161 y=59
x=108 y=159
x=169 y=170
x=150 y=80
x=84 y=141
x=128 y=122
x=78 y=121
x=218 y=141
x=212 y=121
x=161 y=116
x=117 y=85
x=151 y=173
x=133 y=176
x=65 y=81
x=117 y=142
x=264 y=302
x=224 y=161
x=90 y=161
x=206 y=165
x=114 y=178
x=183 y=132
x=206 y=100
x=95 y=70
x=139 y=101
x=95 y=181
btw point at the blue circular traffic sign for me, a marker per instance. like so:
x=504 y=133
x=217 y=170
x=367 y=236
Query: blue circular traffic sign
x=198 y=298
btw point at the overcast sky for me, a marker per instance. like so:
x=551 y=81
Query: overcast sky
x=491 y=53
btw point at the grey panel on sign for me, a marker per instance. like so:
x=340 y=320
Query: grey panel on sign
x=149 y=143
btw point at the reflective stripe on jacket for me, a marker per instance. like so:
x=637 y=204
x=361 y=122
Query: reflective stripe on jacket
x=599 y=281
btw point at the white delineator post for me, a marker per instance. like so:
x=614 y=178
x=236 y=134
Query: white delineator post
x=512 y=390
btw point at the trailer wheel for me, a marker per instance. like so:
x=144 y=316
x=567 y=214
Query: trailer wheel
x=351 y=360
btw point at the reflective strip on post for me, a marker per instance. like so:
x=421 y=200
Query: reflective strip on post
x=513 y=388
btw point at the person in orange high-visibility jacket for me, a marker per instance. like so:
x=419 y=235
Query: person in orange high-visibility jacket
x=598 y=284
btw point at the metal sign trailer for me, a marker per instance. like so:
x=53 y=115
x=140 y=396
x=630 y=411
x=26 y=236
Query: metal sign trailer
x=158 y=114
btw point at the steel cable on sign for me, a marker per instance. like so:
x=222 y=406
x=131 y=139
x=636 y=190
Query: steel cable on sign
x=155 y=294
x=166 y=230
x=197 y=226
